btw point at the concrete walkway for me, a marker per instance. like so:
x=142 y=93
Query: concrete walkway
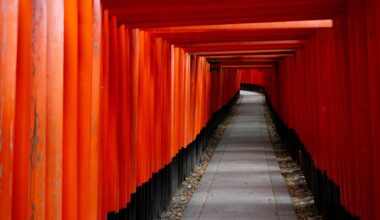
x=243 y=180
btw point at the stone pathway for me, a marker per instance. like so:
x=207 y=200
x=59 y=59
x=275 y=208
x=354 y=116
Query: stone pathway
x=243 y=179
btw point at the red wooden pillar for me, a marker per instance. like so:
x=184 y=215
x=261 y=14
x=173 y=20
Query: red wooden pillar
x=22 y=163
x=175 y=101
x=85 y=62
x=134 y=45
x=8 y=61
x=140 y=153
x=166 y=125
x=142 y=160
x=123 y=120
x=180 y=84
x=37 y=125
x=70 y=111
x=193 y=67
x=54 y=108
x=157 y=75
x=187 y=137
x=94 y=154
x=360 y=105
x=113 y=117
x=150 y=107
x=128 y=113
x=343 y=86
x=104 y=111
x=373 y=40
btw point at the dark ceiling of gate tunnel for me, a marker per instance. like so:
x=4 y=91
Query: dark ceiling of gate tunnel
x=168 y=13
x=247 y=31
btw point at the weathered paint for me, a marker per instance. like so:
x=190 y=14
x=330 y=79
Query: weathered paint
x=77 y=76
x=8 y=58
x=38 y=110
x=54 y=108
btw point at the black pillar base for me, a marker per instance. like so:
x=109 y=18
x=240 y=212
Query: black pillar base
x=325 y=191
x=154 y=196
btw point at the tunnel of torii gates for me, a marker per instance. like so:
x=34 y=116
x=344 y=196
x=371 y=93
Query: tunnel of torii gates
x=102 y=102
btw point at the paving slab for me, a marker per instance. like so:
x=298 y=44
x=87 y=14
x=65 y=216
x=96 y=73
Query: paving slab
x=243 y=179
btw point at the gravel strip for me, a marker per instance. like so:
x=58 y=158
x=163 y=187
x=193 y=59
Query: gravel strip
x=302 y=198
x=189 y=185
